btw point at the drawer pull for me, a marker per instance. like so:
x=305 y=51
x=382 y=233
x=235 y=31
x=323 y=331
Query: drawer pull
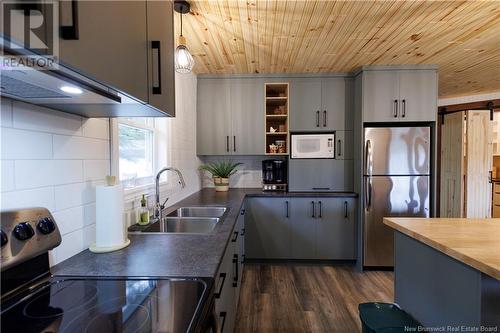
x=235 y=236
x=222 y=277
x=223 y=316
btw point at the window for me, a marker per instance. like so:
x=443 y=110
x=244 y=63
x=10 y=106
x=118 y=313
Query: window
x=136 y=144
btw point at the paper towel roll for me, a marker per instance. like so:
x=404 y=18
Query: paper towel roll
x=111 y=234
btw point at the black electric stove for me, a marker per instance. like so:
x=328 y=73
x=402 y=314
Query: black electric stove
x=34 y=302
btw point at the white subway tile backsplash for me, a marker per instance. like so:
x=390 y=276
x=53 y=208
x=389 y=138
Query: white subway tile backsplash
x=21 y=144
x=7 y=180
x=5 y=112
x=74 y=147
x=69 y=220
x=96 y=128
x=39 y=173
x=37 y=118
x=72 y=195
x=95 y=169
x=75 y=242
x=40 y=197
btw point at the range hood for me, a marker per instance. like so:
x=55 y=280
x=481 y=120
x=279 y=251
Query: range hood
x=43 y=87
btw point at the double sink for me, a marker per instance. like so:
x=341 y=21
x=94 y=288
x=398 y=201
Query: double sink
x=193 y=220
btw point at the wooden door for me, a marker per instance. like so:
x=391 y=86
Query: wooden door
x=333 y=102
x=305 y=105
x=213 y=117
x=479 y=163
x=112 y=45
x=247 y=117
x=380 y=96
x=452 y=165
x=418 y=95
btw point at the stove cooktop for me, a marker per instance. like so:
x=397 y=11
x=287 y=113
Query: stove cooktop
x=106 y=305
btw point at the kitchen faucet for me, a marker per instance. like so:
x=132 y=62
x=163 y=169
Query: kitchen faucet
x=159 y=207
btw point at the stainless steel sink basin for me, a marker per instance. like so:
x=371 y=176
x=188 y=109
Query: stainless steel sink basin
x=190 y=225
x=199 y=212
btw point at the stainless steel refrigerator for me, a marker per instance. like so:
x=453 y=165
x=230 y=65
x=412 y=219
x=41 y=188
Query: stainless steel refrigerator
x=397 y=182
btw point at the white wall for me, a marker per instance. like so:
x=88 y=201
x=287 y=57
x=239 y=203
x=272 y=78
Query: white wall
x=249 y=174
x=55 y=160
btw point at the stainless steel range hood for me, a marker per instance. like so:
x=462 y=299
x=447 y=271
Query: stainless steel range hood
x=43 y=87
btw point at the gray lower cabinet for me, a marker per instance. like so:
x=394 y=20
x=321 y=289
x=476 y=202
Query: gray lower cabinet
x=229 y=276
x=267 y=228
x=300 y=228
x=329 y=175
x=335 y=228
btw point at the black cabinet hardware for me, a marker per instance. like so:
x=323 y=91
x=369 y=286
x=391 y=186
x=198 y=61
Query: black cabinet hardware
x=317 y=118
x=227 y=143
x=222 y=316
x=234 y=143
x=236 y=270
x=287 y=209
x=314 y=210
x=395 y=108
x=242 y=233
x=324 y=118
x=70 y=32
x=346 y=212
x=155 y=45
x=320 y=188
x=222 y=278
x=340 y=147
x=235 y=236
x=320 y=209
x=403 y=112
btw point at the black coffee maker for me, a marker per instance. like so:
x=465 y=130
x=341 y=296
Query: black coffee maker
x=274 y=175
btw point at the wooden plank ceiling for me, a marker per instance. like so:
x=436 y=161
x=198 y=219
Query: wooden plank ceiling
x=285 y=36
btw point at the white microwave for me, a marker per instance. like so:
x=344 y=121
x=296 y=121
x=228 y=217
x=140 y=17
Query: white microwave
x=313 y=145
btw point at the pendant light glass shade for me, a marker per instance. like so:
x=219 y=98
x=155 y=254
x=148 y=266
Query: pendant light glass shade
x=184 y=61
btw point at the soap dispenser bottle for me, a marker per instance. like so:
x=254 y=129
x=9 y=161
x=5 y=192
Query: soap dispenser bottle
x=144 y=211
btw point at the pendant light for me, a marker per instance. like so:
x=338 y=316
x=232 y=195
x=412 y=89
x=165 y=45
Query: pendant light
x=184 y=61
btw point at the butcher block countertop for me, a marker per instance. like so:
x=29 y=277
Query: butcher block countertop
x=474 y=242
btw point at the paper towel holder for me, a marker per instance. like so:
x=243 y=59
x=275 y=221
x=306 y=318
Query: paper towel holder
x=104 y=249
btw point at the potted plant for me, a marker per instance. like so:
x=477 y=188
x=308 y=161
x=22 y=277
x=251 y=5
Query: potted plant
x=221 y=171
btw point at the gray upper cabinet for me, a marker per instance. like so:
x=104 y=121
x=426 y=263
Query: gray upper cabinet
x=267 y=228
x=161 y=48
x=128 y=45
x=328 y=175
x=230 y=117
x=399 y=95
x=213 y=117
x=247 y=116
x=305 y=104
x=111 y=46
x=319 y=104
x=335 y=229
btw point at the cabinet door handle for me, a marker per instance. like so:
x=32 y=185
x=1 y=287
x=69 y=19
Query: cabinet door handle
x=227 y=143
x=155 y=45
x=314 y=210
x=403 y=112
x=223 y=316
x=222 y=278
x=234 y=143
x=321 y=188
x=395 y=111
x=317 y=118
x=236 y=270
x=324 y=118
x=70 y=32
x=320 y=209
x=340 y=147
x=236 y=233
x=242 y=233
x=346 y=212
x=287 y=209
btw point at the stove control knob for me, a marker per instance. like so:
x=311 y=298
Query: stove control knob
x=46 y=225
x=3 y=238
x=23 y=231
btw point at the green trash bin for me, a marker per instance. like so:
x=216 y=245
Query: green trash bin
x=384 y=318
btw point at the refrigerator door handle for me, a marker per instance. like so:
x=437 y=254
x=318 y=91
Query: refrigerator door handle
x=368 y=172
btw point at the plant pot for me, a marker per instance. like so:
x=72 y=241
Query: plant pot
x=221 y=184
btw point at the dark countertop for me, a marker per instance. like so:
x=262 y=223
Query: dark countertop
x=174 y=255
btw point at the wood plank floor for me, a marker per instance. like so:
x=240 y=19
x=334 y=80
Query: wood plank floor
x=307 y=298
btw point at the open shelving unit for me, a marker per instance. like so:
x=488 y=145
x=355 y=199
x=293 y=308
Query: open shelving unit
x=276 y=105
